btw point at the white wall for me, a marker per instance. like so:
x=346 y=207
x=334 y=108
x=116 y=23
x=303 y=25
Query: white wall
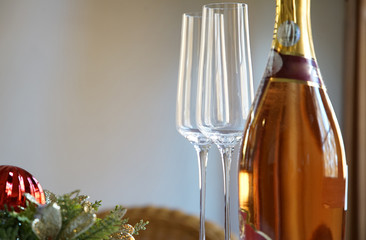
x=87 y=95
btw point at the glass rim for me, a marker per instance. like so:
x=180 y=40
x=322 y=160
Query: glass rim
x=225 y=5
x=192 y=14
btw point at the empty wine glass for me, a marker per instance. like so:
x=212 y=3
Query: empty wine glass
x=186 y=101
x=225 y=82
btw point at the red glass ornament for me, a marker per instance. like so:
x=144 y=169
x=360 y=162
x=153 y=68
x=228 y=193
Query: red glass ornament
x=14 y=182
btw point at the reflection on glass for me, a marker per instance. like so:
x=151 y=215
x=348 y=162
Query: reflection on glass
x=328 y=143
x=244 y=191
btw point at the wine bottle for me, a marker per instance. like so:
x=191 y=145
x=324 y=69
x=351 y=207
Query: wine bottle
x=292 y=168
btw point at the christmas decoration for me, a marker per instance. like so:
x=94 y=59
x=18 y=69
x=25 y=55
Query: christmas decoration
x=45 y=216
x=14 y=183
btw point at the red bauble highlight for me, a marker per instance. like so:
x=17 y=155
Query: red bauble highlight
x=14 y=182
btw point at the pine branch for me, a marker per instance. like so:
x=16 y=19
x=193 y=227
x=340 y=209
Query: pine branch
x=103 y=228
x=140 y=226
x=18 y=225
x=15 y=225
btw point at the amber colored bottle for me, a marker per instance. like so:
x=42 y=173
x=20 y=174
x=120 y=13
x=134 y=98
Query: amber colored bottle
x=292 y=169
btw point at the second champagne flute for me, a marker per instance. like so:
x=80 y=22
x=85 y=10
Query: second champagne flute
x=225 y=86
x=186 y=101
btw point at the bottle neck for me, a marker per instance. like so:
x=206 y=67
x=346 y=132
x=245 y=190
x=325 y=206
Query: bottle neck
x=292 y=31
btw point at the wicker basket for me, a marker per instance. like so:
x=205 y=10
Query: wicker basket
x=168 y=224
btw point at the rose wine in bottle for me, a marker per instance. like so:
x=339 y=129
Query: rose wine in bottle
x=292 y=169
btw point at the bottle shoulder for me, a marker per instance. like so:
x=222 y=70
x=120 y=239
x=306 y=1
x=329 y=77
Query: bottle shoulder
x=291 y=98
x=294 y=114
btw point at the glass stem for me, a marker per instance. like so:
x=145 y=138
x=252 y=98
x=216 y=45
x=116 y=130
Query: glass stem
x=202 y=154
x=226 y=154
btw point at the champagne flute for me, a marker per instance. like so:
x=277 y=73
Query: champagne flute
x=186 y=101
x=225 y=88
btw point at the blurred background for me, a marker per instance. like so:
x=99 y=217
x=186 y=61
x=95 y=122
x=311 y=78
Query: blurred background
x=88 y=89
